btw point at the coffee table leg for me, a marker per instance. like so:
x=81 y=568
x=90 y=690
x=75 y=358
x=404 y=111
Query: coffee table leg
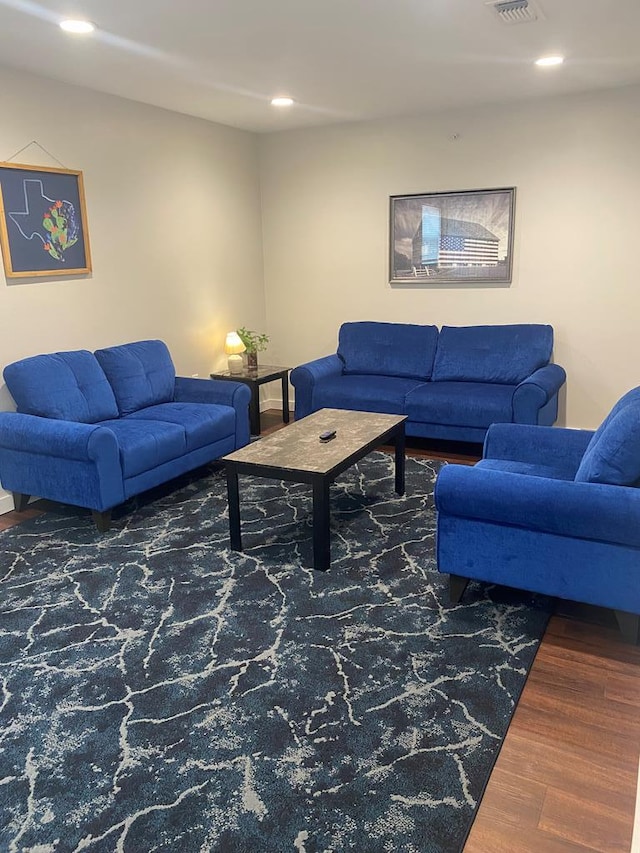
x=321 y=541
x=233 y=497
x=400 y=447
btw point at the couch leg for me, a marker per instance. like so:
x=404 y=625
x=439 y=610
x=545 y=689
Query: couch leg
x=629 y=624
x=457 y=586
x=102 y=520
x=20 y=501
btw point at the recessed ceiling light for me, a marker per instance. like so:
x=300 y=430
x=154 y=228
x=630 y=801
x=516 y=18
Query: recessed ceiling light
x=81 y=27
x=550 y=60
x=281 y=102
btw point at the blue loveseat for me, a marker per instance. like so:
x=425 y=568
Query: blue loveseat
x=93 y=429
x=451 y=384
x=555 y=511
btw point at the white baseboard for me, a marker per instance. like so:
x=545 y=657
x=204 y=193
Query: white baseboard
x=275 y=403
x=6 y=502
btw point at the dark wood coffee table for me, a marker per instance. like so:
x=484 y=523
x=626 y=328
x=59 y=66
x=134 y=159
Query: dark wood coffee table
x=296 y=454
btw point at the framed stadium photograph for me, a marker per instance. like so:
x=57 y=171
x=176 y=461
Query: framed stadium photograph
x=43 y=222
x=463 y=237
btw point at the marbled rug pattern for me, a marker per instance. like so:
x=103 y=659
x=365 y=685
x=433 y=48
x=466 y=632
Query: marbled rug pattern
x=159 y=692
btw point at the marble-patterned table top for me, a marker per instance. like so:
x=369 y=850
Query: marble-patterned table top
x=298 y=447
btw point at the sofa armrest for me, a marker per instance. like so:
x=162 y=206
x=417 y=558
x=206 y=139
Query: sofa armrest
x=221 y=392
x=58 y=438
x=534 y=392
x=64 y=461
x=306 y=376
x=565 y=508
x=533 y=444
x=191 y=390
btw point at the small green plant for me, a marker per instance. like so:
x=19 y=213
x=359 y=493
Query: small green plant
x=253 y=341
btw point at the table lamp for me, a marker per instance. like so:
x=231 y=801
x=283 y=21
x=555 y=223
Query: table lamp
x=233 y=346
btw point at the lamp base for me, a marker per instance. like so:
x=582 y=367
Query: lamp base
x=236 y=364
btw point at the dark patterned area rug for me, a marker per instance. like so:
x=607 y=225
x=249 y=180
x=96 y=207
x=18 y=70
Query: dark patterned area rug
x=160 y=692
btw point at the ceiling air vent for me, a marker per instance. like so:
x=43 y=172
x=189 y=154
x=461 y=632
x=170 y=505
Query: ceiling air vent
x=516 y=11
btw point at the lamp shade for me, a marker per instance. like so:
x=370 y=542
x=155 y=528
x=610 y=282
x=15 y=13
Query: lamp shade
x=233 y=345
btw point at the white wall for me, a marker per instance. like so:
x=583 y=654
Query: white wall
x=174 y=210
x=173 y=206
x=574 y=162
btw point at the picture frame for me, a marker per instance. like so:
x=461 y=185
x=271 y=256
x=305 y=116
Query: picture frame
x=43 y=222
x=456 y=238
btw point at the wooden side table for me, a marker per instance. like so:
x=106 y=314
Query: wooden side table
x=254 y=379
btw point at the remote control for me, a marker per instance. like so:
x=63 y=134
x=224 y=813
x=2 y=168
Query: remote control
x=328 y=435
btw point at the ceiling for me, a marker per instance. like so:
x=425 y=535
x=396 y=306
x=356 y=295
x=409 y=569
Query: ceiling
x=341 y=60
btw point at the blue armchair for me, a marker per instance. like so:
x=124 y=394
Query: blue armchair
x=550 y=510
x=92 y=430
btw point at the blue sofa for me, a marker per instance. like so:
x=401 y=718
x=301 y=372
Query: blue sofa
x=93 y=429
x=451 y=384
x=550 y=510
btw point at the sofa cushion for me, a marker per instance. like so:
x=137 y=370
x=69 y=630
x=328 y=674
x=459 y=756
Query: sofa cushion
x=503 y=354
x=146 y=444
x=467 y=404
x=68 y=386
x=388 y=349
x=141 y=374
x=202 y=423
x=613 y=454
x=630 y=398
x=384 y=394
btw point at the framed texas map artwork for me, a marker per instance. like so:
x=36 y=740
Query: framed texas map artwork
x=463 y=237
x=43 y=222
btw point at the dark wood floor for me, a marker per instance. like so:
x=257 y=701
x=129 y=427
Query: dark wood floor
x=565 y=779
